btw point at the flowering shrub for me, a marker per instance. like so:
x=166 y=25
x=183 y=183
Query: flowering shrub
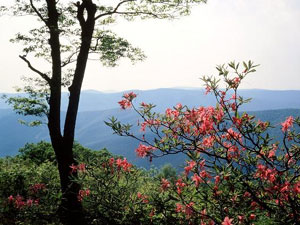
x=114 y=193
x=236 y=172
x=29 y=193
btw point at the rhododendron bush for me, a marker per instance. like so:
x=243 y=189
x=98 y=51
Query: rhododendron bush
x=236 y=173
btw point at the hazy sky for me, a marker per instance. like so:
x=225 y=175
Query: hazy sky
x=181 y=51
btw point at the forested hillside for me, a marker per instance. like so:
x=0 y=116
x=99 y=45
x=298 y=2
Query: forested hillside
x=92 y=132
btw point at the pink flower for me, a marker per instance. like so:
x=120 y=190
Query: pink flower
x=189 y=209
x=143 y=150
x=29 y=202
x=81 y=167
x=227 y=221
x=208 y=141
x=129 y=96
x=10 y=199
x=287 y=124
x=111 y=162
x=144 y=105
x=73 y=168
x=241 y=219
x=142 y=197
x=197 y=179
x=236 y=81
x=271 y=154
x=165 y=184
x=179 y=208
x=19 y=203
x=125 y=104
x=191 y=165
x=82 y=194
x=296 y=188
x=178 y=106
x=252 y=216
x=217 y=179
x=207 y=90
x=124 y=164
x=180 y=185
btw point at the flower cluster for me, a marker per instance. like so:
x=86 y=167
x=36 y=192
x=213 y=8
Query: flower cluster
x=19 y=202
x=82 y=194
x=143 y=150
x=81 y=167
x=119 y=164
x=233 y=162
x=287 y=123
x=127 y=101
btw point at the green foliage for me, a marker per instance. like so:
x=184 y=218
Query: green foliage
x=38 y=153
x=117 y=195
x=104 y=44
x=167 y=172
x=18 y=178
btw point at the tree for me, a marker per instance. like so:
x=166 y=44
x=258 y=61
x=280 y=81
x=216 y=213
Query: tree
x=68 y=34
x=236 y=173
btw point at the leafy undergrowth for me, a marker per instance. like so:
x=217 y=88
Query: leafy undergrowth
x=113 y=191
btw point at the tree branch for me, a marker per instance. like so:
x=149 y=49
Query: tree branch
x=37 y=12
x=114 y=11
x=43 y=75
x=69 y=59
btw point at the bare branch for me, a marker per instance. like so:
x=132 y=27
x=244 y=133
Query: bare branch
x=69 y=59
x=43 y=75
x=138 y=13
x=37 y=12
x=114 y=11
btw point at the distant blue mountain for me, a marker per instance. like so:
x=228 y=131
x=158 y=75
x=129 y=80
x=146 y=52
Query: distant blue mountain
x=97 y=107
x=168 y=97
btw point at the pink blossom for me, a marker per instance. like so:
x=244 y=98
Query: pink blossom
x=165 y=184
x=197 y=179
x=129 y=96
x=217 y=179
x=208 y=141
x=252 y=216
x=111 y=162
x=189 y=209
x=10 y=199
x=191 y=165
x=123 y=164
x=125 y=104
x=73 y=168
x=19 y=203
x=178 y=106
x=180 y=185
x=296 y=188
x=287 y=123
x=179 y=208
x=82 y=194
x=227 y=221
x=81 y=167
x=143 y=150
x=144 y=198
x=144 y=105
x=207 y=90
x=126 y=165
x=29 y=202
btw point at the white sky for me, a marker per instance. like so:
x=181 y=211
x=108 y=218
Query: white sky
x=181 y=51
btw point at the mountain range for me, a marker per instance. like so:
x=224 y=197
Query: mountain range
x=97 y=107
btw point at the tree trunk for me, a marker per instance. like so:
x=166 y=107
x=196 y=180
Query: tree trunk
x=71 y=211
